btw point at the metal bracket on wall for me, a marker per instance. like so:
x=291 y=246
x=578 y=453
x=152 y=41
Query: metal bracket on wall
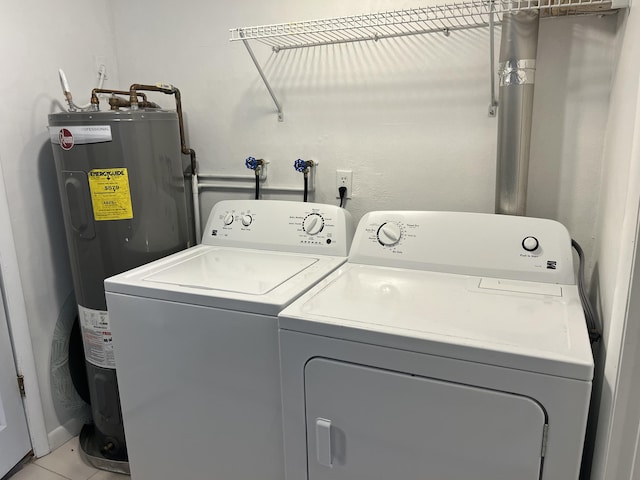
x=264 y=78
x=493 y=106
x=23 y=392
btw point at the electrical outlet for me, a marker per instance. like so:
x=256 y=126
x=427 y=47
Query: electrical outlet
x=344 y=178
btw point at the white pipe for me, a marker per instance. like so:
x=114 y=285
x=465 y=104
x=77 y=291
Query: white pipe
x=197 y=184
x=216 y=176
x=196 y=207
x=102 y=73
x=225 y=176
x=269 y=188
x=63 y=81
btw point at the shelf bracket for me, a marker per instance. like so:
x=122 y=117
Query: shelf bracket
x=264 y=78
x=493 y=106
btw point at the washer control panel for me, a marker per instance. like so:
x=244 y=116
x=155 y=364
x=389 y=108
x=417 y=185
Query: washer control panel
x=500 y=246
x=280 y=225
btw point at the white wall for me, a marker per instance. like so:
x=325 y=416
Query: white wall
x=573 y=82
x=36 y=38
x=408 y=116
x=616 y=233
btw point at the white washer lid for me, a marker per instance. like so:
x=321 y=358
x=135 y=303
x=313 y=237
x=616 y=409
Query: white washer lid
x=507 y=323
x=246 y=280
x=253 y=273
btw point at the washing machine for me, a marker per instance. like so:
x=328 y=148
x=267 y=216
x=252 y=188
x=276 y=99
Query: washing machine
x=196 y=339
x=451 y=346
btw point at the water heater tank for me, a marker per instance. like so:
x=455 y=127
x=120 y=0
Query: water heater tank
x=123 y=198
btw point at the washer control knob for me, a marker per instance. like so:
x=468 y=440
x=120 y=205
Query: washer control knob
x=530 y=244
x=228 y=219
x=246 y=220
x=389 y=234
x=313 y=224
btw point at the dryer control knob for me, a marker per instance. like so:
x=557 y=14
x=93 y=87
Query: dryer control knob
x=246 y=220
x=313 y=224
x=530 y=244
x=228 y=219
x=389 y=234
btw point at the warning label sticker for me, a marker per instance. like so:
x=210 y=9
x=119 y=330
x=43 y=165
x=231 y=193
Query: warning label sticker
x=110 y=195
x=96 y=337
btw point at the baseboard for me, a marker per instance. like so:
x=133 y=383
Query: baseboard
x=61 y=435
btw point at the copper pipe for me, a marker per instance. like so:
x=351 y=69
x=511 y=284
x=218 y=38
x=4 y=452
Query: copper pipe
x=133 y=99
x=118 y=102
x=133 y=93
x=134 y=104
x=96 y=91
x=149 y=105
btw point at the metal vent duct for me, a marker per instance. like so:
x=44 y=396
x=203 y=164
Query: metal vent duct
x=518 y=51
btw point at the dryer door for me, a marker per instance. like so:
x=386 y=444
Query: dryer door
x=366 y=423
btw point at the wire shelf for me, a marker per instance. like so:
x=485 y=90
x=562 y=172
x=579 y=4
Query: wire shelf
x=399 y=23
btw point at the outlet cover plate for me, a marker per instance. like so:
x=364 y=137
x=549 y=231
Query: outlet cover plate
x=344 y=178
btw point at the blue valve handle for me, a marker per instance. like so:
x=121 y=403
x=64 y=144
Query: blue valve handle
x=251 y=163
x=300 y=165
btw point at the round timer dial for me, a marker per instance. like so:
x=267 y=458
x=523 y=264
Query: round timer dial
x=228 y=219
x=246 y=220
x=313 y=224
x=389 y=234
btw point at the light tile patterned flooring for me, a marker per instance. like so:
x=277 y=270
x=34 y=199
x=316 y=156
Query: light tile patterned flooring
x=64 y=464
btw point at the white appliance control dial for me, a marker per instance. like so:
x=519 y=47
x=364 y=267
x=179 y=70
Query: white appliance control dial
x=313 y=224
x=530 y=244
x=389 y=234
x=246 y=220
x=228 y=219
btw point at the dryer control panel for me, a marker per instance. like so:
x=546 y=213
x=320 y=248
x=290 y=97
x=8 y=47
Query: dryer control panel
x=500 y=246
x=280 y=225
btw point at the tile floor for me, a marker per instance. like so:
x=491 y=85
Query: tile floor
x=64 y=464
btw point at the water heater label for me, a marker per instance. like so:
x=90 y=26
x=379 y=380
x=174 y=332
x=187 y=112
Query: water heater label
x=110 y=194
x=96 y=337
x=67 y=137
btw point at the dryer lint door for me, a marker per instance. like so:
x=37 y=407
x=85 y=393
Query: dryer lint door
x=365 y=424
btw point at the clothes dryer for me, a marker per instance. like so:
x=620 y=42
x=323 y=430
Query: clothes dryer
x=450 y=346
x=196 y=340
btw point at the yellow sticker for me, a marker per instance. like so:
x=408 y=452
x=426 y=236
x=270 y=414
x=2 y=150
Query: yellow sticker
x=110 y=194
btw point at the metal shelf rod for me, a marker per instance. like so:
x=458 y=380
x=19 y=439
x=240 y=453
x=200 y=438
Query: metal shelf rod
x=264 y=79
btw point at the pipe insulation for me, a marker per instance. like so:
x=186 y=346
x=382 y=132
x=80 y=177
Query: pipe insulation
x=516 y=73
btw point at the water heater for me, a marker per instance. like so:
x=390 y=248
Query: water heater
x=122 y=188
